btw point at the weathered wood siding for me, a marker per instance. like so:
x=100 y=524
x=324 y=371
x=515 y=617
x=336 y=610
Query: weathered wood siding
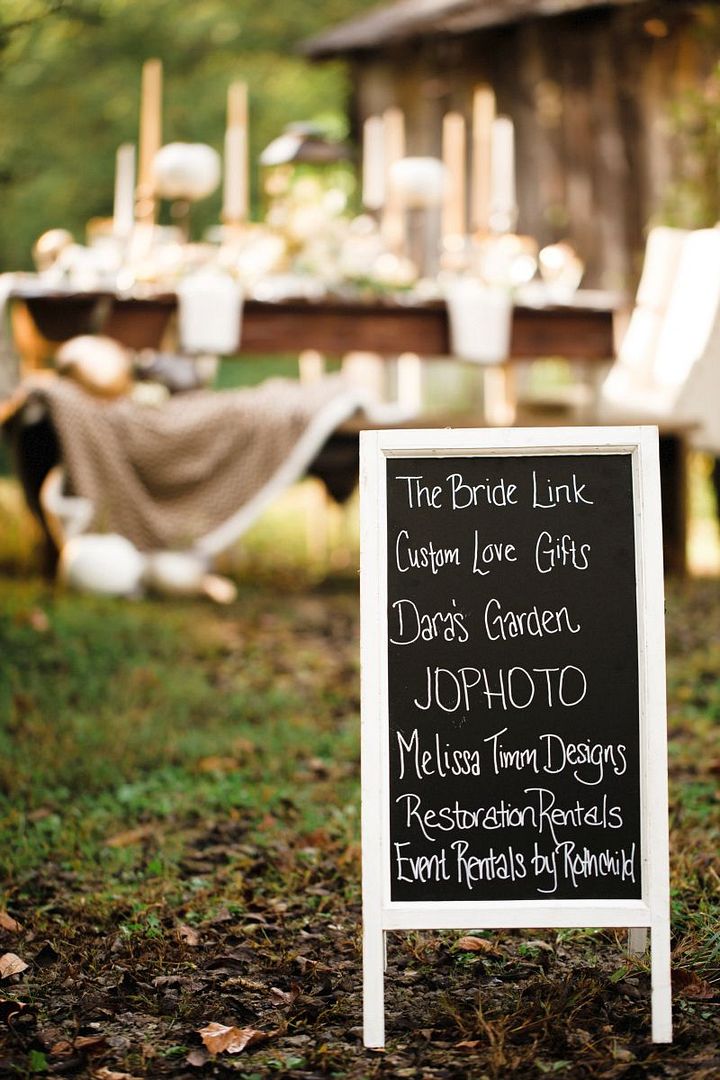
x=589 y=95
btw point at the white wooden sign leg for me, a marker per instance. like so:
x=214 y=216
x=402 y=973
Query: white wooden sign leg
x=373 y=984
x=661 y=981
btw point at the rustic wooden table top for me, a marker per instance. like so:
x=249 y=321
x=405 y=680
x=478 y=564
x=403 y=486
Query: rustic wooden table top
x=579 y=329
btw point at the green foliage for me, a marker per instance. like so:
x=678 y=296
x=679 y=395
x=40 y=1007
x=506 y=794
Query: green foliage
x=70 y=91
x=693 y=200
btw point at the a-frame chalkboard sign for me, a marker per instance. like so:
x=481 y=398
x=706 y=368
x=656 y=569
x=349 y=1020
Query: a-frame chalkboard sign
x=514 y=758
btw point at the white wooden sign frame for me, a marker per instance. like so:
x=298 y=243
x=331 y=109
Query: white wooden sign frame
x=380 y=913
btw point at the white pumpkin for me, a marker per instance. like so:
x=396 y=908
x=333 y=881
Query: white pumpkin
x=100 y=364
x=49 y=246
x=186 y=171
x=421 y=182
x=107 y=565
x=175 y=573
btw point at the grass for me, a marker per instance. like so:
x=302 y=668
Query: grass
x=175 y=773
x=116 y=715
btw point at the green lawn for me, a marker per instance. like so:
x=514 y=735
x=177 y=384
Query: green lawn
x=179 y=840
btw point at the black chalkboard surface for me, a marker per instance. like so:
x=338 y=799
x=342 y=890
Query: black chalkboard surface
x=512 y=675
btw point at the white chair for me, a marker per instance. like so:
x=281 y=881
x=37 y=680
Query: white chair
x=668 y=368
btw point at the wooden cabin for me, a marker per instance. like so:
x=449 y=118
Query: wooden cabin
x=589 y=85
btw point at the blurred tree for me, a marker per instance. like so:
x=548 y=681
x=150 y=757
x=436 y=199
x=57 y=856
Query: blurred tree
x=70 y=92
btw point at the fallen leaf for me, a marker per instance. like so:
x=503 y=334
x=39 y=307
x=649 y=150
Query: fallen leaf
x=285 y=997
x=691 y=985
x=35 y=618
x=537 y=944
x=8 y=923
x=104 y=1073
x=221 y=916
x=188 y=935
x=304 y=962
x=219 y=1038
x=45 y=955
x=39 y=621
x=176 y=982
x=88 y=1042
x=63 y=1048
x=468 y=1044
x=10 y=964
x=109 y=1074
x=197 y=1058
x=9 y=1010
x=217 y=764
x=130 y=836
x=475 y=944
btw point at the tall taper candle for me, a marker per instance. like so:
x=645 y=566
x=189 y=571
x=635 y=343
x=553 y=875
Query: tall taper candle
x=393 y=216
x=150 y=136
x=235 y=195
x=483 y=114
x=236 y=170
x=124 y=204
x=237 y=105
x=454 y=218
x=373 y=163
x=503 y=199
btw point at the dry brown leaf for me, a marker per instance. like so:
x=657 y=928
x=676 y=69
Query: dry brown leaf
x=39 y=621
x=8 y=923
x=285 y=997
x=188 y=935
x=10 y=1009
x=219 y=1038
x=217 y=764
x=468 y=1044
x=305 y=962
x=691 y=985
x=61 y=1049
x=538 y=944
x=10 y=964
x=89 y=1042
x=475 y=944
x=109 y=1074
x=197 y=1058
x=130 y=836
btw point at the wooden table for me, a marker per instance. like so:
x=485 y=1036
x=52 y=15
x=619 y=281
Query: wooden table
x=582 y=330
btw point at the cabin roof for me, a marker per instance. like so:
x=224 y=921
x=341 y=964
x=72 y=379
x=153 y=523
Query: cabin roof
x=407 y=19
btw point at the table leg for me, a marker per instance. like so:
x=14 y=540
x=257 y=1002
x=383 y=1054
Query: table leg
x=637 y=940
x=673 y=482
x=500 y=404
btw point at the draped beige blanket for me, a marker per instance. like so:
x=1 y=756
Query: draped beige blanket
x=195 y=471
